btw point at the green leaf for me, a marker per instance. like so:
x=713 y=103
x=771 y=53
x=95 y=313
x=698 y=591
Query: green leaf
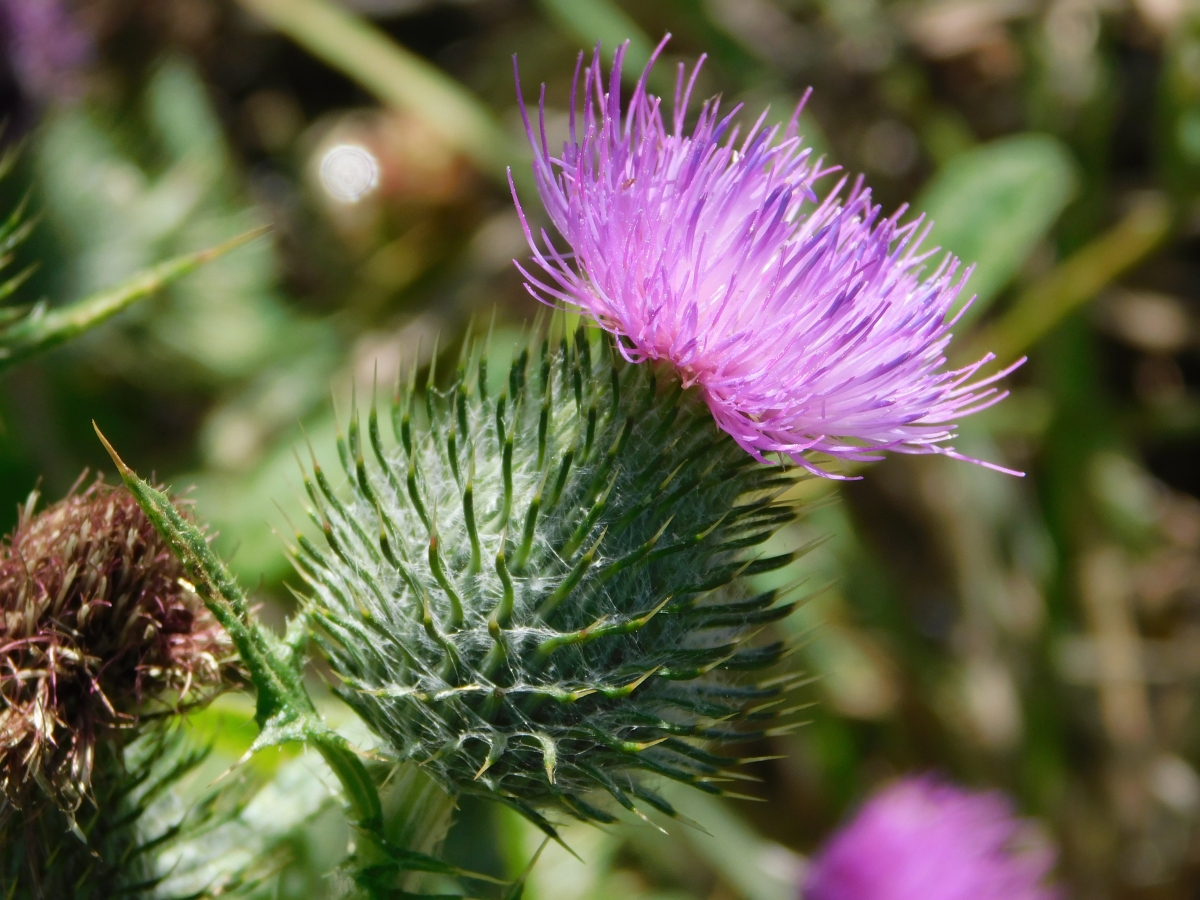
x=411 y=861
x=1075 y=280
x=227 y=727
x=286 y=727
x=180 y=189
x=42 y=328
x=991 y=205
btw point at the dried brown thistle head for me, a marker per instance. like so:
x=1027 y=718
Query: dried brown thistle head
x=98 y=627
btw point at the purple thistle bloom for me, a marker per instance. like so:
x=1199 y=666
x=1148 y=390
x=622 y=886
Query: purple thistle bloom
x=808 y=324
x=923 y=839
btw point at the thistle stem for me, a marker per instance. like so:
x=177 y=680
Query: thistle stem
x=285 y=710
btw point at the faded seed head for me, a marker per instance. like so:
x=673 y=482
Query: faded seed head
x=97 y=622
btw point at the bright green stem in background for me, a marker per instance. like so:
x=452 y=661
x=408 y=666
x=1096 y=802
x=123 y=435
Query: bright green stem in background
x=44 y=328
x=396 y=76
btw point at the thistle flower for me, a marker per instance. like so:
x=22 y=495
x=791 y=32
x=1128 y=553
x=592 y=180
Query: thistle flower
x=807 y=324
x=97 y=622
x=923 y=839
x=532 y=594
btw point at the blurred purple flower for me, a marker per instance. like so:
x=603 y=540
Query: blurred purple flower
x=807 y=324
x=923 y=839
x=44 y=45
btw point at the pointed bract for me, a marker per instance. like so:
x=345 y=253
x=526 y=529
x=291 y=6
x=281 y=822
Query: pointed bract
x=539 y=609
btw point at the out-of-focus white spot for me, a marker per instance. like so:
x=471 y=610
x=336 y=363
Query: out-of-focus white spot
x=349 y=172
x=1175 y=784
x=993 y=703
x=948 y=28
x=1150 y=321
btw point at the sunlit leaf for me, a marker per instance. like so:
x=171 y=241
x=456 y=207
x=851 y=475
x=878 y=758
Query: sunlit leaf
x=991 y=205
x=1075 y=280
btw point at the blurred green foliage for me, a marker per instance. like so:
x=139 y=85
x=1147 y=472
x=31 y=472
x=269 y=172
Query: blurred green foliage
x=1036 y=635
x=992 y=204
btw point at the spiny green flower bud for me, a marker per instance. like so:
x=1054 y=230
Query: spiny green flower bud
x=97 y=622
x=536 y=594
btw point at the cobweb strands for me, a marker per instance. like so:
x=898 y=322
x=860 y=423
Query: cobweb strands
x=543 y=595
x=810 y=326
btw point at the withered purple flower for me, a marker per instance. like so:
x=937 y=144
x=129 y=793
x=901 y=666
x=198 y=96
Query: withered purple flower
x=808 y=324
x=924 y=839
x=98 y=625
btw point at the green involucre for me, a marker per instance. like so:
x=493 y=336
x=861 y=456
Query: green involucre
x=535 y=595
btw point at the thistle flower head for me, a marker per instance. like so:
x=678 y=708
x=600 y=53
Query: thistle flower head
x=922 y=839
x=97 y=621
x=533 y=594
x=807 y=324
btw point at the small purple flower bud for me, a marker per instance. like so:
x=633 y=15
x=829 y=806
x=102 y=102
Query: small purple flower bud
x=96 y=623
x=923 y=839
x=807 y=324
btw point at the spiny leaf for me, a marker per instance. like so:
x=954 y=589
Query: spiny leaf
x=279 y=685
x=42 y=328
